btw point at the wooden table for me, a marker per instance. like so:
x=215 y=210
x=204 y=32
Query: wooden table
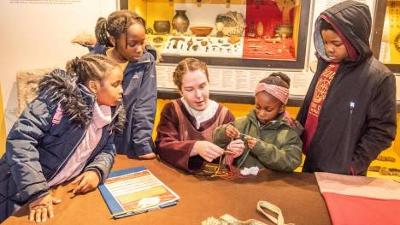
x=296 y=194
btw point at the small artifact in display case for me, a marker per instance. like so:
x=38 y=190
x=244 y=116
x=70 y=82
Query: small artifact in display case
x=201 y=30
x=219 y=26
x=204 y=46
x=233 y=22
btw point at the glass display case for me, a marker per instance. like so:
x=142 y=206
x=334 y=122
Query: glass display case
x=390 y=37
x=247 y=33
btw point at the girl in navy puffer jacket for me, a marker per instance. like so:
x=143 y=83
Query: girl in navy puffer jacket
x=64 y=134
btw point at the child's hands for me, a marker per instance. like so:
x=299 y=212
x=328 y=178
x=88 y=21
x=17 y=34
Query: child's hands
x=207 y=150
x=87 y=181
x=236 y=148
x=251 y=142
x=231 y=131
x=42 y=208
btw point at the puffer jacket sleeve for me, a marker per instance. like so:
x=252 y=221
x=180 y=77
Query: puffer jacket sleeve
x=22 y=149
x=381 y=126
x=145 y=111
x=286 y=157
x=103 y=161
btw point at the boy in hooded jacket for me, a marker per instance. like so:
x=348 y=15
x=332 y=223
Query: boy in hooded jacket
x=349 y=112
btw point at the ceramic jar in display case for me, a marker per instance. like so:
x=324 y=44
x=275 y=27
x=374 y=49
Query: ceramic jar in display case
x=162 y=26
x=180 y=22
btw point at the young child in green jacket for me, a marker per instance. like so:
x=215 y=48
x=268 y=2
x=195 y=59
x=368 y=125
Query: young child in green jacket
x=270 y=140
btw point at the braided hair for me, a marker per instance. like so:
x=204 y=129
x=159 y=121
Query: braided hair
x=188 y=65
x=116 y=24
x=90 y=67
x=277 y=78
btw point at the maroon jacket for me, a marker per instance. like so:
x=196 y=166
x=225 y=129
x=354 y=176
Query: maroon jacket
x=175 y=134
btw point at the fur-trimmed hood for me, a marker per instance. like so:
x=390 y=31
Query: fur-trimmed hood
x=75 y=99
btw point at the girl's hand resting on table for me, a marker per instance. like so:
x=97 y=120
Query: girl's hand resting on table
x=42 y=208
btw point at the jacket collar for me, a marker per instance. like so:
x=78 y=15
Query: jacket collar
x=273 y=124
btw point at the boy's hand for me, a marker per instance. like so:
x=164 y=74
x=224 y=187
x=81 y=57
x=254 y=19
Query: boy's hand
x=251 y=142
x=42 y=208
x=87 y=181
x=231 y=131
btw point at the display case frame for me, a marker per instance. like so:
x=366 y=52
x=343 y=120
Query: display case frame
x=298 y=63
x=380 y=12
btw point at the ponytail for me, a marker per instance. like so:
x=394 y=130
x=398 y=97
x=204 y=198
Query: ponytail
x=101 y=32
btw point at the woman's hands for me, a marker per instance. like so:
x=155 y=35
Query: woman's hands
x=87 y=181
x=207 y=150
x=42 y=208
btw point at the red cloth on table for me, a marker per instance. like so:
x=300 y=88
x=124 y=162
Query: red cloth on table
x=358 y=200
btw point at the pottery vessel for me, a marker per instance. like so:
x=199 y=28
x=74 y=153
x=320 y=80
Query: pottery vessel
x=162 y=26
x=180 y=22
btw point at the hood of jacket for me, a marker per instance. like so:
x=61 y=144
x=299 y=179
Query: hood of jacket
x=352 y=21
x=75 y=99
